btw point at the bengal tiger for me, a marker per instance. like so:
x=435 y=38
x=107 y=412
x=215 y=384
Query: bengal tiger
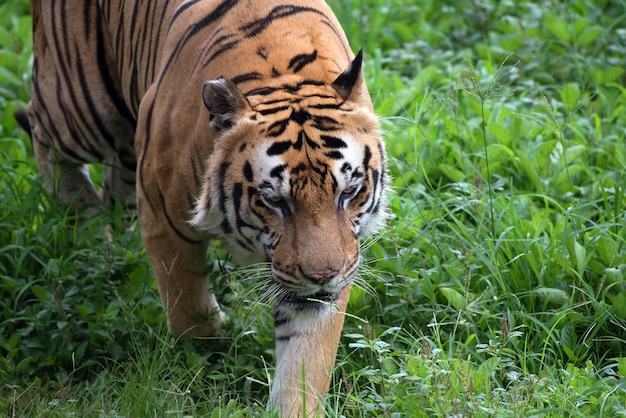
x=240 y=120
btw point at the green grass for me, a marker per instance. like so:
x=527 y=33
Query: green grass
x=498 y=290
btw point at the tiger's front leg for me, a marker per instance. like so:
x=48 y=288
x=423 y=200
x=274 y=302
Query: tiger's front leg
x=306 y=349
x=183 y=280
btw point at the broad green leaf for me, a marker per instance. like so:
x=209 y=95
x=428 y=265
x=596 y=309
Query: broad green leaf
x=40 y=292
x=454 y=298
x=580 y=25
x=570 y=353
x=581 y=258
x=614 y=275
x=619 y=305
x=500 y=132
x=552 y=295
x=573 y=152
x=570 y=94
x=452 y=173
x=489 y=366
x=568 y=335
x=13 y=342
x=589 y=35
x=23 y=365
x=559 y=27
x=531 y=170
x=607 y=249
x=607 y=76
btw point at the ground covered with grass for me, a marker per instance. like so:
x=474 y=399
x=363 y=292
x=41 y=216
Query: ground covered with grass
x=497 y=290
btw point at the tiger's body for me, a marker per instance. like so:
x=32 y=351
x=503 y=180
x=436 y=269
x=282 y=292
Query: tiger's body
x=245 y=121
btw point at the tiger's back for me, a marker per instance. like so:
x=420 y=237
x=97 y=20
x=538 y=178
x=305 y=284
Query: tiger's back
x=246 y=121
x=90 y=71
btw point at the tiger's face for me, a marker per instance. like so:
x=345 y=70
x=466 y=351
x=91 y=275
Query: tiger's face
x=296 y=178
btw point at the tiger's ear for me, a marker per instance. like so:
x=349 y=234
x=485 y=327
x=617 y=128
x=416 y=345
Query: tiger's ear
x=225 y=103
x=350 y=78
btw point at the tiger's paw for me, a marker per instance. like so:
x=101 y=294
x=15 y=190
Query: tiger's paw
x=201 y=322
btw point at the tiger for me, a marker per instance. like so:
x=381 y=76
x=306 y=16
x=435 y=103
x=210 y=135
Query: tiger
x=243 y=121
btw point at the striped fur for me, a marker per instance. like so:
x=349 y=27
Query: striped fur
x=244 y=121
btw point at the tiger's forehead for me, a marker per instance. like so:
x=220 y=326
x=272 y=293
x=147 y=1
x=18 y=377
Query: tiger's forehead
x=292 y=90
x=305 y=164
x=308 y=146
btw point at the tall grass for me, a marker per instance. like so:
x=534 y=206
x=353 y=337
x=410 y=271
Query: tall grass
x=497 y=290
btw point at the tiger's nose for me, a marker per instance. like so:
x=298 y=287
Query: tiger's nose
x=324 y=276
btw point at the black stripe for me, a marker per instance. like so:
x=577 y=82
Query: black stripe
x=277 y=128
x=274 y=101
x=381 y=153
x=333 y=141
x=253 y=192
x=301 y=60
x=87 y=21
x=326 y=106
x=300 y=116
x=181 y=10
x=339 y=35
x=222 y=49
x=291 y=88
x=335 y=155
x=273 y=110
x=300 y=167
x=68 y=115
x=247 y=172
x=254 y=75
x=325 y=123
x=221 y=175
x=262 y=52
x=70 y=123
x=278 y=170
x=237 y=198
x=255 y=27
x=145 y=152
x=356 y=175
x=171 y=223
x=53 y=131
x=194 y=28
x=263 y=91
x=133 y=45
x=309 y=141
x=152 y=64
x=296 y=88
x=279 y=148
x=373 y=207
x=92 y=110
x=367 y=157
x=108 y=81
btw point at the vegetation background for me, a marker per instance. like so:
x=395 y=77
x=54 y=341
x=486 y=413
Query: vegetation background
x=498 y=289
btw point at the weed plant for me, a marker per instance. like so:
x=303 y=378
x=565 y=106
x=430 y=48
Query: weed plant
x=497 y=289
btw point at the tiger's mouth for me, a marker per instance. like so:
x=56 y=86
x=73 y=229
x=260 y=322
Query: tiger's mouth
x=312 y=298
x=316 y=298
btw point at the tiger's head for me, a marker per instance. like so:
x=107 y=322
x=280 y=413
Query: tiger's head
x=297 y=176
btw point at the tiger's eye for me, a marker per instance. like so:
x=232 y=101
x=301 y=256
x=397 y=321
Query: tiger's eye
x=348 y=190
x=275 y=199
